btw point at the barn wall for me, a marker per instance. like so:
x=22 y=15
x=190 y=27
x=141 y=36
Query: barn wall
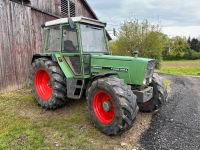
x=54 y=7
x=50 y=6
x=37 y=32
x=20 y=36
x=15 y=23
x=81 y=10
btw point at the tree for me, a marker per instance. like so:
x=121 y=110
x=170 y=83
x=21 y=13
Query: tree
x=116 y=46
x=153 y=46
x=195 y=44
x=179 y=46
x=139 y=36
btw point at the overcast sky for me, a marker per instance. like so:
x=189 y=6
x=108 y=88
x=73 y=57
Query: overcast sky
x=177 y=17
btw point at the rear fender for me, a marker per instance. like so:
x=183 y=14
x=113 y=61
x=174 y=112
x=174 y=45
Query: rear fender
x=58 y=59
x=50 y=56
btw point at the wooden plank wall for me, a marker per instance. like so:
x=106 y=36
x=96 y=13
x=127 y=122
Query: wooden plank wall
x=20 y=36
x=50 y=6
x=81 y=10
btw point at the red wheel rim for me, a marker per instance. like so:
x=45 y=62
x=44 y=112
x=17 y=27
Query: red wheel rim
x=42 y=84
x=100 y=97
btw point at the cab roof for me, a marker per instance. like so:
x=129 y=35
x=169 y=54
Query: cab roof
x=76 y=19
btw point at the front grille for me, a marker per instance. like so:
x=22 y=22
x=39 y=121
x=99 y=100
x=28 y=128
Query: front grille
x=150 y=68
x=150 y=71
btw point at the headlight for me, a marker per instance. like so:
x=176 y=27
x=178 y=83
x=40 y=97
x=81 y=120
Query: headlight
x=145 y=81
x=150 y=80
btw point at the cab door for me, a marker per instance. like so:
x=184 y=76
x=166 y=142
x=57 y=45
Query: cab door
x=70 y=49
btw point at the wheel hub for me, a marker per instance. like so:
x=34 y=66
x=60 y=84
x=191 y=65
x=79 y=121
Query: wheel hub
x=107 y=106
x=104 y=107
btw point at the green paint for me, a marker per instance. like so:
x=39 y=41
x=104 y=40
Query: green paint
x=131 y=69
x=64 y=66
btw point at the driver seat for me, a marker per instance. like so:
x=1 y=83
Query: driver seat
x=69 y=46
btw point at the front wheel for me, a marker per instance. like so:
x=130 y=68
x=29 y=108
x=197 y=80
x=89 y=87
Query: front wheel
x=159 y=96
x=112 y=105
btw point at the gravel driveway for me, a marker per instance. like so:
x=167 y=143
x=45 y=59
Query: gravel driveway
x=177 y=125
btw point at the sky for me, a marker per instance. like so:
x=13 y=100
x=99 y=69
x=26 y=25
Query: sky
x=177 y=17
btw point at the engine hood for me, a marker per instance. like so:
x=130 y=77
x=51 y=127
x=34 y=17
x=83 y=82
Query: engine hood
x=132 y=69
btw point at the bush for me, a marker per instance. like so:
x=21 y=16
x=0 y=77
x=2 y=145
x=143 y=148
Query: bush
x=190 y=55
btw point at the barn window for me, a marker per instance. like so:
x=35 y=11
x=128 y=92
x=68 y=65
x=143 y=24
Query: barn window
x=22 y=1
x=68 y=8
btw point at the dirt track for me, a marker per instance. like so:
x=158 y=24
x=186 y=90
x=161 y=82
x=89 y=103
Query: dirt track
x=177 y=125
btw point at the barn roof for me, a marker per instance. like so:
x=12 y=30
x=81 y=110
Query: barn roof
x=90 y=9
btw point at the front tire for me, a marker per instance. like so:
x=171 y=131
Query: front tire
x=112 y=105
x=159 y=96
x=48 y=84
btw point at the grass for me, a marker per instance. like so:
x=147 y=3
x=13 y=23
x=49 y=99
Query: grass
x=24 y=126
x=182 y=67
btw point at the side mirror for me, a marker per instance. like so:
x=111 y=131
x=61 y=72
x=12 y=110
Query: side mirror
x=71 y=23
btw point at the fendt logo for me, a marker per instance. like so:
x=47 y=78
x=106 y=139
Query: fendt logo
x=118 y=69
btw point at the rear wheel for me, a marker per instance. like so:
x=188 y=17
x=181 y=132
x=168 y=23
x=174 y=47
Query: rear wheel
x=112 y=105
x=159 y=96
x=48 y=83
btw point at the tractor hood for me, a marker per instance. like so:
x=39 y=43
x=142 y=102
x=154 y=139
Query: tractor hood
x=134 y=70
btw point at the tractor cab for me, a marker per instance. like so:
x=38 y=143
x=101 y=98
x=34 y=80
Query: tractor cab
x=76 y=39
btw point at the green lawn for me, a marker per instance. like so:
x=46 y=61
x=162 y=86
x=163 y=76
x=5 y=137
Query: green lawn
x=182 y=67
x=24 y=125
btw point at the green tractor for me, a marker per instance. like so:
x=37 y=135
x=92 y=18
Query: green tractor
x=77 y=62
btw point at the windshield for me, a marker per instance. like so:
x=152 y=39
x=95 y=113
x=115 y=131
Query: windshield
x=93 y=39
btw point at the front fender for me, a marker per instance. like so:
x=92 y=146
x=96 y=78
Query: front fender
x=102 y=75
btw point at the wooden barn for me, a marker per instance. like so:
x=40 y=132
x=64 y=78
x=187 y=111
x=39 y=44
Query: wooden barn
x=21 y=34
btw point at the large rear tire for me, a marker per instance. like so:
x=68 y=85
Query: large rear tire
x=48 y=84
x=112 y=105
x=159 y=96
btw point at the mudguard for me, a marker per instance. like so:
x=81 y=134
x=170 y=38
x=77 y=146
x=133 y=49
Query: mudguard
x=59 y=59
x=51 y=56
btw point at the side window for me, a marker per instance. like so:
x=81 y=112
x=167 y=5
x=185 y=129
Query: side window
x=70 y=43
x=54 y=38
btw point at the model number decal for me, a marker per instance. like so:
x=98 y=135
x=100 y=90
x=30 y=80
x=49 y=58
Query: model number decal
x=118 y=69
